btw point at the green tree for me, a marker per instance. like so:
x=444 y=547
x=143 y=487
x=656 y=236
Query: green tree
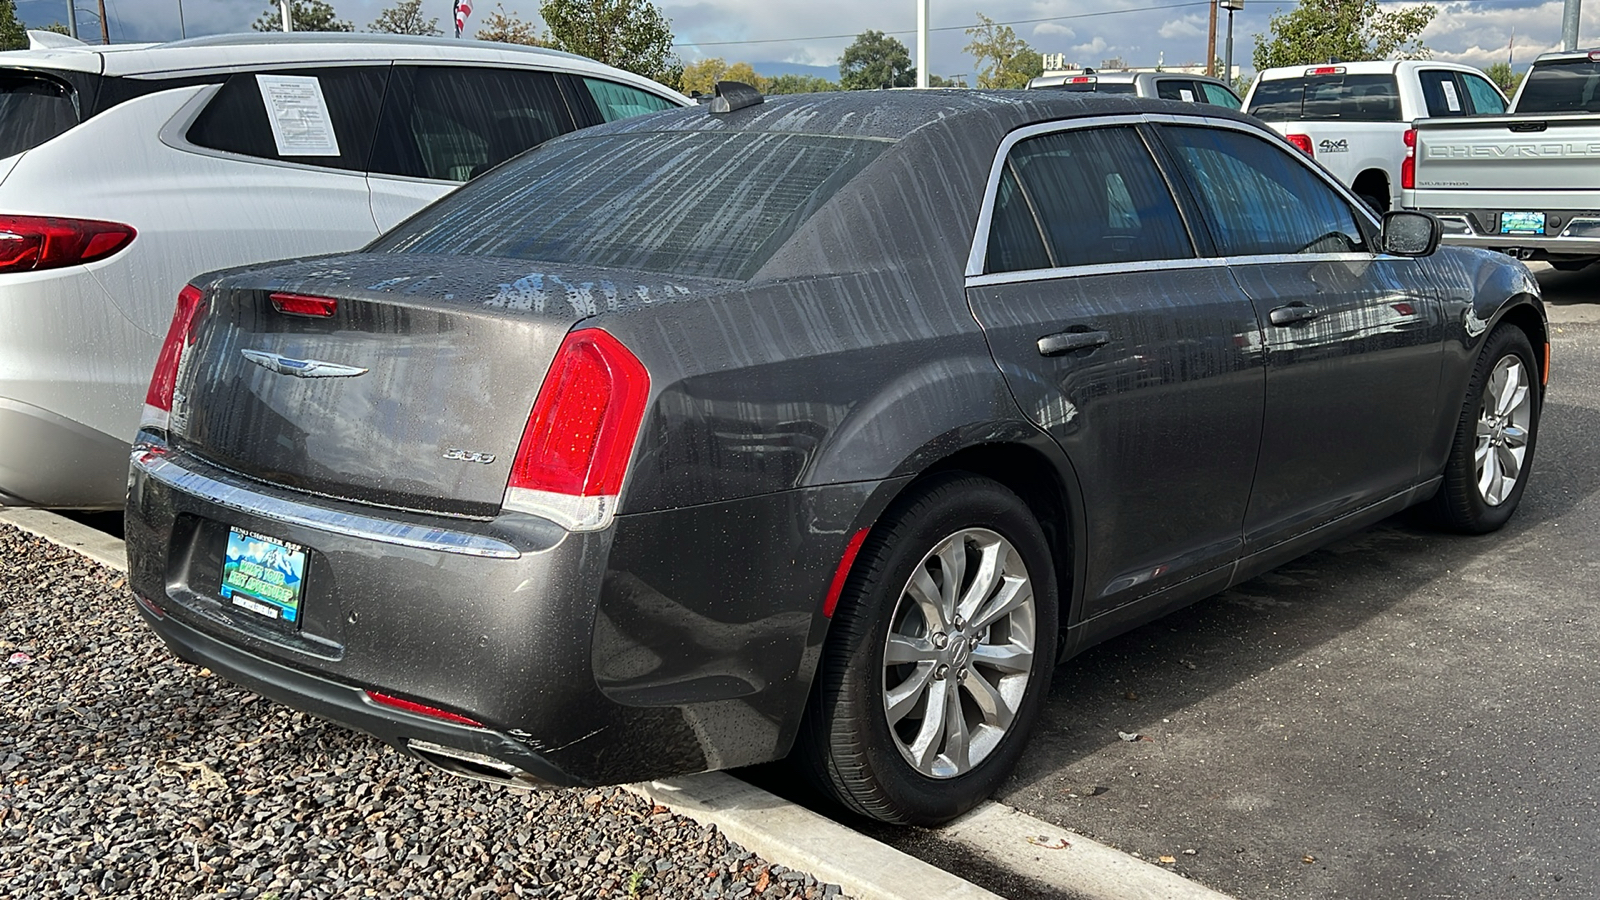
x=13 y=36
x=304 y=15
x=941 y=81
x=405 y=17
x=628 y=34
x=875 y=61
x=1500 y=73
x=704 y=75
x=509 y=29
x=799 y=84
x=58 y=28
x=1344 y=31
x=1004 y=60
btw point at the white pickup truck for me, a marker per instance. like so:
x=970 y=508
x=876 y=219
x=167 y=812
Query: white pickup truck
x=1526 y=183
x=1353 y=117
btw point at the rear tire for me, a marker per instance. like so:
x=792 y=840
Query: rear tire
x=1493 y=450
x=939 y=656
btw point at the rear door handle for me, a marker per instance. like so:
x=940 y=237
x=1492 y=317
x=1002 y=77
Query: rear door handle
x=1068 y=341
x=1293 y=313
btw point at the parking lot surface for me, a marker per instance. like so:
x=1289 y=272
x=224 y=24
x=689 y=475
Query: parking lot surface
x=124 y=772
x=1404 y=714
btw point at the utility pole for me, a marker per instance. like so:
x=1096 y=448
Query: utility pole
x=1211 y=43
x=922 y=43
x=1569 y=25
x=288 y=24
x=105 y=30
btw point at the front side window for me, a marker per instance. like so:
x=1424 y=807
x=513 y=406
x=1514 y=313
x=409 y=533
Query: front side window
x=619 y=101
x=1486 y=99
x=1095 y=196
x=463 y=121
x=1261 y=200
x=237 y=120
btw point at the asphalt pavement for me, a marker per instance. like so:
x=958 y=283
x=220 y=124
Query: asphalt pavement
x=1403 y=714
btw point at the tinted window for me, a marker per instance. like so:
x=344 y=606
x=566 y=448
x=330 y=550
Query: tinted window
x=1354 y=98
x=716 y=205
x=1097 y=196
x=1015 y=242
x=1110 y=87
x=1217 y=95
x=618 y=101
x=1486 y=99
x=1567 y=86
x=460 y=122
x=32 y=111
x=236 y=118
x=1262 y=200
x=1176 y=89
x=1441 y=92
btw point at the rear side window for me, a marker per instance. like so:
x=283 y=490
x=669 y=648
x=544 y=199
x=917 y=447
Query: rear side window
x=236 y=120
x=1259 y=199
x=1441 y=92
x=33 y=110
x=1351 y=98
x=1564 y=86
x=1097 y=197
x=700 y=204
x=619 y=101
x=1217 y=95
x=1177 y=89
x=460 y=122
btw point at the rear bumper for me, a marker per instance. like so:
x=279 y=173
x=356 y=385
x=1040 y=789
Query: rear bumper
x=669 y=643
x=1578 y=235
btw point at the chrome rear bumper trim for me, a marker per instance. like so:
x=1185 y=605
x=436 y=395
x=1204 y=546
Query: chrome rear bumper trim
x=159 y=467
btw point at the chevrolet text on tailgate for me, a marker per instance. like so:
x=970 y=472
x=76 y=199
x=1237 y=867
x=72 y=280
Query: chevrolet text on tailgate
x=1525 y=183
x=1353 y=117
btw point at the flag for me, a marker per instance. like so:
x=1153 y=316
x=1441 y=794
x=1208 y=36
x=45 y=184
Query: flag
x=463 y=9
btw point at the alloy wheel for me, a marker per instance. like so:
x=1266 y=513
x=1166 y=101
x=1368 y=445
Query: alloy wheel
x=1504 y=418
x=959 y=653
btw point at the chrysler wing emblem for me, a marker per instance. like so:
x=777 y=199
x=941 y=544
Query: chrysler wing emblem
x=301 y=368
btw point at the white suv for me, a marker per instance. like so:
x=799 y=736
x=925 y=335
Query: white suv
x=1353 y=117
x=126 y=170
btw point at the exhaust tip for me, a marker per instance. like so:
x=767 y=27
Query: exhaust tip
x=475 y=766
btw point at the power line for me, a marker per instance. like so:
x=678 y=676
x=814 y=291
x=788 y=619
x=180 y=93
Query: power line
x=832 y=37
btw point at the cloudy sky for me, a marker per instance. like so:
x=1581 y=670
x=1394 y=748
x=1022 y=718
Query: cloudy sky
x=815 y=32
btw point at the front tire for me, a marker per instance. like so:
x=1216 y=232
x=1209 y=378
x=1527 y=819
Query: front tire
x=939 y=656
x=1495 y=436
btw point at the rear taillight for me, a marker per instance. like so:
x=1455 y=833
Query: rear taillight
x=30 y=243
x=580 y=435
x=180 y=334
x=301 y=305
x=1408 y=166
x=1303 y=141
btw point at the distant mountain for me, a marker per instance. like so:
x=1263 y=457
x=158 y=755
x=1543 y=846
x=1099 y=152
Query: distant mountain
x=769 y=69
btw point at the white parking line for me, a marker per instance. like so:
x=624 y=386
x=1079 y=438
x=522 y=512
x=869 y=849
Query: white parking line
x=793 y=836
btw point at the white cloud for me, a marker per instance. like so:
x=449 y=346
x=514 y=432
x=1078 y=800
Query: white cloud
x=1053 y=29
x=1186 y=27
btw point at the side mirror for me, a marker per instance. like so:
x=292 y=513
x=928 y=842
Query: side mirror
x=1408 y=232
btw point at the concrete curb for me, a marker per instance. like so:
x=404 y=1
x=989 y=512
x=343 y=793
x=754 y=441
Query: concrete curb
x=1066 y=860
x=97 y=545
x=801 y=839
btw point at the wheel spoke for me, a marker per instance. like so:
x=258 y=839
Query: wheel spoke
x=991 y=567
x=1014 y=593
x=1512 y=390
x=1516 y=436
x=902 y=698
x=956 y=739
x=1008 y=658
x=922 y=591
x=1510 y=467
x=996 y=709
x=953 y=563
x=926 y=745
x=1489 y=474
x=903 y=649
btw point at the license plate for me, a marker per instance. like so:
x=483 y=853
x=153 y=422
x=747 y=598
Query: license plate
x=1522 y=223
x=264 y=575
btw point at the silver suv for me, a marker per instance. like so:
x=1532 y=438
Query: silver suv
x=1159 y=85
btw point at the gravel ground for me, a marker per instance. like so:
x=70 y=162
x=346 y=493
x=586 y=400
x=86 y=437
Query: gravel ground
x=124 y=772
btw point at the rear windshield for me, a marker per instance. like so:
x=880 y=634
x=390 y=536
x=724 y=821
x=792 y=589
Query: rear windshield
x=1351 y=98
x=712 y=205
x=1109 y=87
x=33 y=109
x=1564 y=86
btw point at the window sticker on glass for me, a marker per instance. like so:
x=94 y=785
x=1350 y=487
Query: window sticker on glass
x=1451 y=98
x=299 y=116
x=1188 y=96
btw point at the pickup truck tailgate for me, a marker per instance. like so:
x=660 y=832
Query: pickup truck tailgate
x=1544 y=158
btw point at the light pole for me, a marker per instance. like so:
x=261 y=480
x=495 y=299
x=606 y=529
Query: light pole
x=1569 y=24
x=1232 y=6
x=922 y=43
x=72 y=19
x=288 y=24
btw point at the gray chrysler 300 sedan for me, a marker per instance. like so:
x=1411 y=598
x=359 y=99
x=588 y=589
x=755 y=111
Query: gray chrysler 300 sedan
x=822 y=427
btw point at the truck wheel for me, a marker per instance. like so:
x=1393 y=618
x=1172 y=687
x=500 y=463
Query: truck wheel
x=939 y=656
x=1495 y=436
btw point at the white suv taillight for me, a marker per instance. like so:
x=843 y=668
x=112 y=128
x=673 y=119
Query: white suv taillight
x=575 y=450
x=164 y=380
x=31 y=243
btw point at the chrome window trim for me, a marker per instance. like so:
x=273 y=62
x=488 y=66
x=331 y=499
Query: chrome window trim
x=976 y=256
x=160 y=468
x=1023 y=276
